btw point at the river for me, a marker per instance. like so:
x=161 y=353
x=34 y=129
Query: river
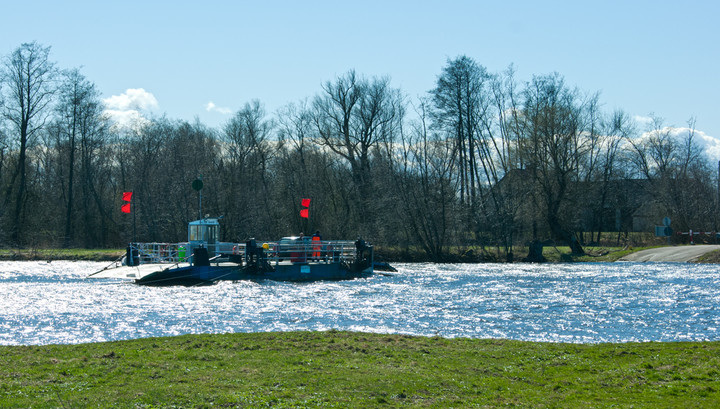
x=55 y=303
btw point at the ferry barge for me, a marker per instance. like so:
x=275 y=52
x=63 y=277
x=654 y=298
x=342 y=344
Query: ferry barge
x=203 y=259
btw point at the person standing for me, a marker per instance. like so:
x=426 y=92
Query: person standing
x=317 y=247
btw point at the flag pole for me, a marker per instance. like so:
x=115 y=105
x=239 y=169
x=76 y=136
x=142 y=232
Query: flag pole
x=129 y=208
x=134 y=218
x=305 y=214
x=197 y=185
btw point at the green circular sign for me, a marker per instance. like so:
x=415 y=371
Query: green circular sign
x=197 y=184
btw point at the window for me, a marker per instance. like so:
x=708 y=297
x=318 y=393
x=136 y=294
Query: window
x=212 y=235
x=194 y=233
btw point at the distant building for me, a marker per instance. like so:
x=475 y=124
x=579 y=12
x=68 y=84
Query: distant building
x=616 y=206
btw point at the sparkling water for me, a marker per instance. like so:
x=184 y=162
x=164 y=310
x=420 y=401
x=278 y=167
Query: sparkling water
x=49 y=303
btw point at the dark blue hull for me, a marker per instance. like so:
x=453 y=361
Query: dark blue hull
x=203 y=275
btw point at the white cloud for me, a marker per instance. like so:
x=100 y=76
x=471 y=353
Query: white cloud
x=126 y=118
x=644 y=121
x=211 y=107
x=134 y=99
x=709 y=145
x=129 y=107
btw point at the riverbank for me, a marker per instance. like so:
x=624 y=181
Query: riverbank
x=38 y=254
x=346 y=369
x=383 y=254
x=552 y=254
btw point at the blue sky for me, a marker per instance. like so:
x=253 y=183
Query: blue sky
x=645 y=57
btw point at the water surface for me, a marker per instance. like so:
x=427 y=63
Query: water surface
x=44 y=303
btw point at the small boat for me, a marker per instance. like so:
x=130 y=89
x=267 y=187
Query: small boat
x=203 y=259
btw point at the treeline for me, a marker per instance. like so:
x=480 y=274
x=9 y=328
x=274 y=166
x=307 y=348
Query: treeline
x=483 y=160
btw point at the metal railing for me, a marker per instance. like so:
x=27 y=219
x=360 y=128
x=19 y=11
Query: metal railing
x=293 y=251
x=310 y=251
x=151 y=253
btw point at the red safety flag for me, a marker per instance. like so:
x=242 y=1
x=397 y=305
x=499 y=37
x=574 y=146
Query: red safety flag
x=125 y=208
x=305 y=213
x=127 y=196
x=305 y=203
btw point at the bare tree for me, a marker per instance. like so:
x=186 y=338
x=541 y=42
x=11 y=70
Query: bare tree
x=79 y=119
x=301 y=170
x=3 y=155
x=501 y=161
x=611 y=168
x=552 y=148
x=247 y=154
x=425 y=187
x=353 y=116
x=670 y=159
x=459 y=106
x=190 y=149
x=478 y=111
x=28 y=88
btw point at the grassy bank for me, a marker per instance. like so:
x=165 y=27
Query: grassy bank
x=389 y=254
x=478 y=255
x=61 y=254
x=343 y=369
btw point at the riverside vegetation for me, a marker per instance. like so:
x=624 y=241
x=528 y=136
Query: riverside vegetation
x=346 y=369
x=482 y=159
x=392 y=254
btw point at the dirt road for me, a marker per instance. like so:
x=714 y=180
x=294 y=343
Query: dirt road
x=671 y=254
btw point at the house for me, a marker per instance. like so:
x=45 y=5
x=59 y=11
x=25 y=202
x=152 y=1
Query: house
x=624 y=205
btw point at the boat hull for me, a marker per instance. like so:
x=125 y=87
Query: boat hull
x=203 y=275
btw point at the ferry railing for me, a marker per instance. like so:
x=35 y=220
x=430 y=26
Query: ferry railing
x=272 y=252
x=230 y=248
x=310 y=251
x=149 y=253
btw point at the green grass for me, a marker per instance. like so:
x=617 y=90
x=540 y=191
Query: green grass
x=382 y=253
x=391 y=254
x=592 y=254
x=711 y=257
x=357 y=370
x=553 y=254
x=61 y=254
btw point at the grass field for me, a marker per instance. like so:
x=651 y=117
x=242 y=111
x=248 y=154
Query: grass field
x=552 y=254
x=357 y=370
x=61 y=254
x=391 y=254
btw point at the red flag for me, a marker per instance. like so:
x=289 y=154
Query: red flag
x=125 y=208
x=305 y=213
x=305 y=203
x=127 y=196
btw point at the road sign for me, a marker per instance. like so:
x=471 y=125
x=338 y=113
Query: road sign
x=663 y=231
x=667 y=221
